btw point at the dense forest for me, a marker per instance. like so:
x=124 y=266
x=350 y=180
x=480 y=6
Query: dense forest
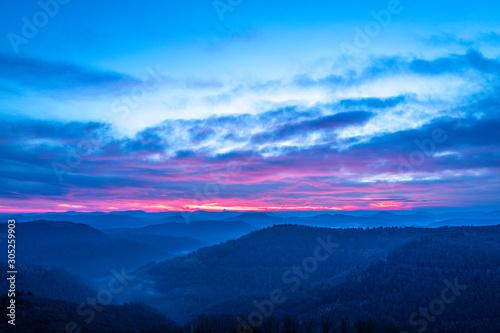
x=36 y=314
x=41 y=280
x=285 y=278
x=381 y=276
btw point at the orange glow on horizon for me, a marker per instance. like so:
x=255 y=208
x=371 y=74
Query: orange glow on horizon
x=178 y=206
x=388 y=204
x=71 y=206
x=216 y=206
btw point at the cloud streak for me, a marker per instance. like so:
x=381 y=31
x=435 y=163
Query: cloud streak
x=56 y=76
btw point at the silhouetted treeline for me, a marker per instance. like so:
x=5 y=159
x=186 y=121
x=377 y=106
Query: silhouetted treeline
x=41 y=315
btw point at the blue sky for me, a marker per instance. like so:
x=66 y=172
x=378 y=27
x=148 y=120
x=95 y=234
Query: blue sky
x=125 y=37
x=176 y=88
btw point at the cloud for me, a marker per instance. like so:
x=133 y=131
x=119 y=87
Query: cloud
x=483 y=38
x=395 y=78
x=26 y=129
x=62 y=76
x=59 y=76
x=472 y=60
x=316 y=126
x=373 y=102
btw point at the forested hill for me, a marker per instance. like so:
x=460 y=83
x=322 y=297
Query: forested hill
x=51 y=282
x=382 y=274
x=347 y=280
x=458 y=269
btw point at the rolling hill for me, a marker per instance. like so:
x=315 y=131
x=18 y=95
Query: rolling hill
x=255 y=264
x=377 y=275
x=212 y=231
x=80 y=248
x=50 y=282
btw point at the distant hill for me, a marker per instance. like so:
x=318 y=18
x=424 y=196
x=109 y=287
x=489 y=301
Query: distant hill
x=123 y=219
x=170 y=245
x=138 y=218
x=91 y=253
x=96 y=220
x=259 y=219
x=208 y=231
x=459 y=222
x=494 y=215
x=79 y=248
x=371 y=220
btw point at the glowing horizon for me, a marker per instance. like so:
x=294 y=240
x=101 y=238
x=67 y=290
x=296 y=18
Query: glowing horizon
x=158 y=207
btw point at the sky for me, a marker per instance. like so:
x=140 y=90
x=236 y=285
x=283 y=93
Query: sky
x=249 y=105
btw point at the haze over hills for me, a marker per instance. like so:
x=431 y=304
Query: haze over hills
x=123 y=219
x=179 y=272
x=89 y=252
x=95 y=219
x=367 y=269
x=137 y=219
x=254 y=264
x=208 y=231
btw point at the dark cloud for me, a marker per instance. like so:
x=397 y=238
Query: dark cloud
x=491 y=38
x=300 y=128
x=389 y=66
x=58 y=76
x=200 y=134
x=446 y=133
x=28 y=128
x=456 y=64
x=373 y=102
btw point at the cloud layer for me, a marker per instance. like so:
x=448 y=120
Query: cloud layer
x=407 y=150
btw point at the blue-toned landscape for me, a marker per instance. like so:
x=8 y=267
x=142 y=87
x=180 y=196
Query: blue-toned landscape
x=228 y=166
